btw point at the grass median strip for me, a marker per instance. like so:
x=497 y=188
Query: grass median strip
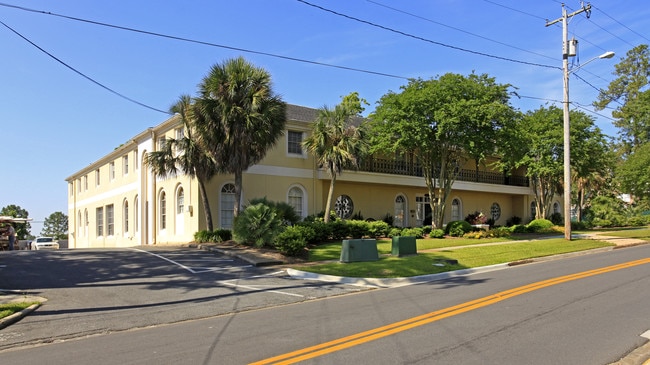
x=10 y=308
x=434 y=262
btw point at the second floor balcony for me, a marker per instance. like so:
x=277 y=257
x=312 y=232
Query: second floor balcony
x=394 y=167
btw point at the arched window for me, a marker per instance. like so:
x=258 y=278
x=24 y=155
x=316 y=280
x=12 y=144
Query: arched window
x=136 y=214
x=227 y=205
x=455 y=210
x=296 y=200
x=399 y=218
x=162 y=210
x=81 y=225
x=180 y=200
x=533 y=210
x=125 y=216
x=556 y=207
x=495 y=211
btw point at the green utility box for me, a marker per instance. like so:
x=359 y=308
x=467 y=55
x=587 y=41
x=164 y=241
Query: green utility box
x=359 y=250
x=404 y=245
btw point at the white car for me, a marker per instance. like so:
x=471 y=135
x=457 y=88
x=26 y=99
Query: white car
x=44 y=243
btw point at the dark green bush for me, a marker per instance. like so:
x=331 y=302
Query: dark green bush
x=638 y=221
x=518 y=228
x=218 y=235
x=284 y=211
x=378 y=229
x=322 y=231
x=458 y=228
x=427 y=229
x=557 y=219
x=539 y=226
x=340 y=229
x=513 y=221
x=358 y=228
x=437 y=233
x=395 y=232
x=292 y=240
x=580 y=226
x=257 y=225
x=416 y=232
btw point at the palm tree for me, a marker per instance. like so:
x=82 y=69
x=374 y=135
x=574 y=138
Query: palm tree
x=336 y=144
x=185 y=155
x=239 y=118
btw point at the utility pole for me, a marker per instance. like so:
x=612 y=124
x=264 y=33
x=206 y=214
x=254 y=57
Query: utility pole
x=566 y=52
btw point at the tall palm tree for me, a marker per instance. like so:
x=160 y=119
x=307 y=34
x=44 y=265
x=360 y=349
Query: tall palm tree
x=239 y=117
x=185 y=156
x=336 y=144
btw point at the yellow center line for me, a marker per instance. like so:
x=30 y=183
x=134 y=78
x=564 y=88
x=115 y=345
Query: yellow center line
x=393 y=328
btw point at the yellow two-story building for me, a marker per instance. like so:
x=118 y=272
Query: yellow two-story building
x=118 y=202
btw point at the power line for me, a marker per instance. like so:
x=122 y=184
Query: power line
x=623 y=25
x=203 y=42
x=457 y=29
x=425 y=39
x=82 y=74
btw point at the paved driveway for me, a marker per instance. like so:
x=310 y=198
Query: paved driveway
x=100 y=291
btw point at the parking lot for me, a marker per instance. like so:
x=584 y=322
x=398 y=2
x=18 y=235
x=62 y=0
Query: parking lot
x=105 y=290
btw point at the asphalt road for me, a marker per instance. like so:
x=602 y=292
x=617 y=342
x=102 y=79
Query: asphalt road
x=588 y=309
x=103 y=291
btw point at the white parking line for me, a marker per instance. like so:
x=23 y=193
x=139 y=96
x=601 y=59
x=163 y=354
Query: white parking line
x=166 y=259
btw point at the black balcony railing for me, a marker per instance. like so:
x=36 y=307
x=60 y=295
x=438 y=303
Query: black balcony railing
x=394 y=167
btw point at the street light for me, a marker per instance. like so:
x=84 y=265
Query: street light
x=567 y=140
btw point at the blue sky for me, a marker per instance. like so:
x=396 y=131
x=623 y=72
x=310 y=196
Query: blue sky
x=56 y=121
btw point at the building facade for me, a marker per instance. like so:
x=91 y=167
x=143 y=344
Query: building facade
x=118 y=202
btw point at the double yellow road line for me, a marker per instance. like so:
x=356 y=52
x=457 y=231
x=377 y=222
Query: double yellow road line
x=384 y=331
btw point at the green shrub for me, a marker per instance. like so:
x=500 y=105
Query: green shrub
x=378 y=229
x=388 y=219
x=636 y=221
x=340 y=229
x=358 y=228
x=599 y=222
x=427 y=229
x=458 y=228
x=284 y=210
x=539 y=226
x=580 y=226
x=257 y=225
x=218 y=235
x=513 y=221
x=437 y=233
x=395 y=232
x=518 y=228
x=557 y=219
x=322 y=231
x=416 y=232
x=475 y=234
x=499 y=232
x=292 y=240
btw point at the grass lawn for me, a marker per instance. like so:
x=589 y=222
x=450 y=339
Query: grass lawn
x=332 y=250
x=10 y=308
x=428 y=262
x=638 y=233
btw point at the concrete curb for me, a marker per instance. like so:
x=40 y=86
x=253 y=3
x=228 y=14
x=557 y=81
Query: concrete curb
x=391 y=282
x=6 y=321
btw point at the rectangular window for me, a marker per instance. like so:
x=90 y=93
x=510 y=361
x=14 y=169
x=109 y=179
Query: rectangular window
x=85 y=182
x=135 y=158
x=71 y=185
x=109 y=220
x=99 y=216
x=111 y=170
x=125 y=165
x=180 y=133
x=294 y=142
x=162 y=141
x=97 y=178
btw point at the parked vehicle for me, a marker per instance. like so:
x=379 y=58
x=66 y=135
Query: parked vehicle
x=44 y=243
